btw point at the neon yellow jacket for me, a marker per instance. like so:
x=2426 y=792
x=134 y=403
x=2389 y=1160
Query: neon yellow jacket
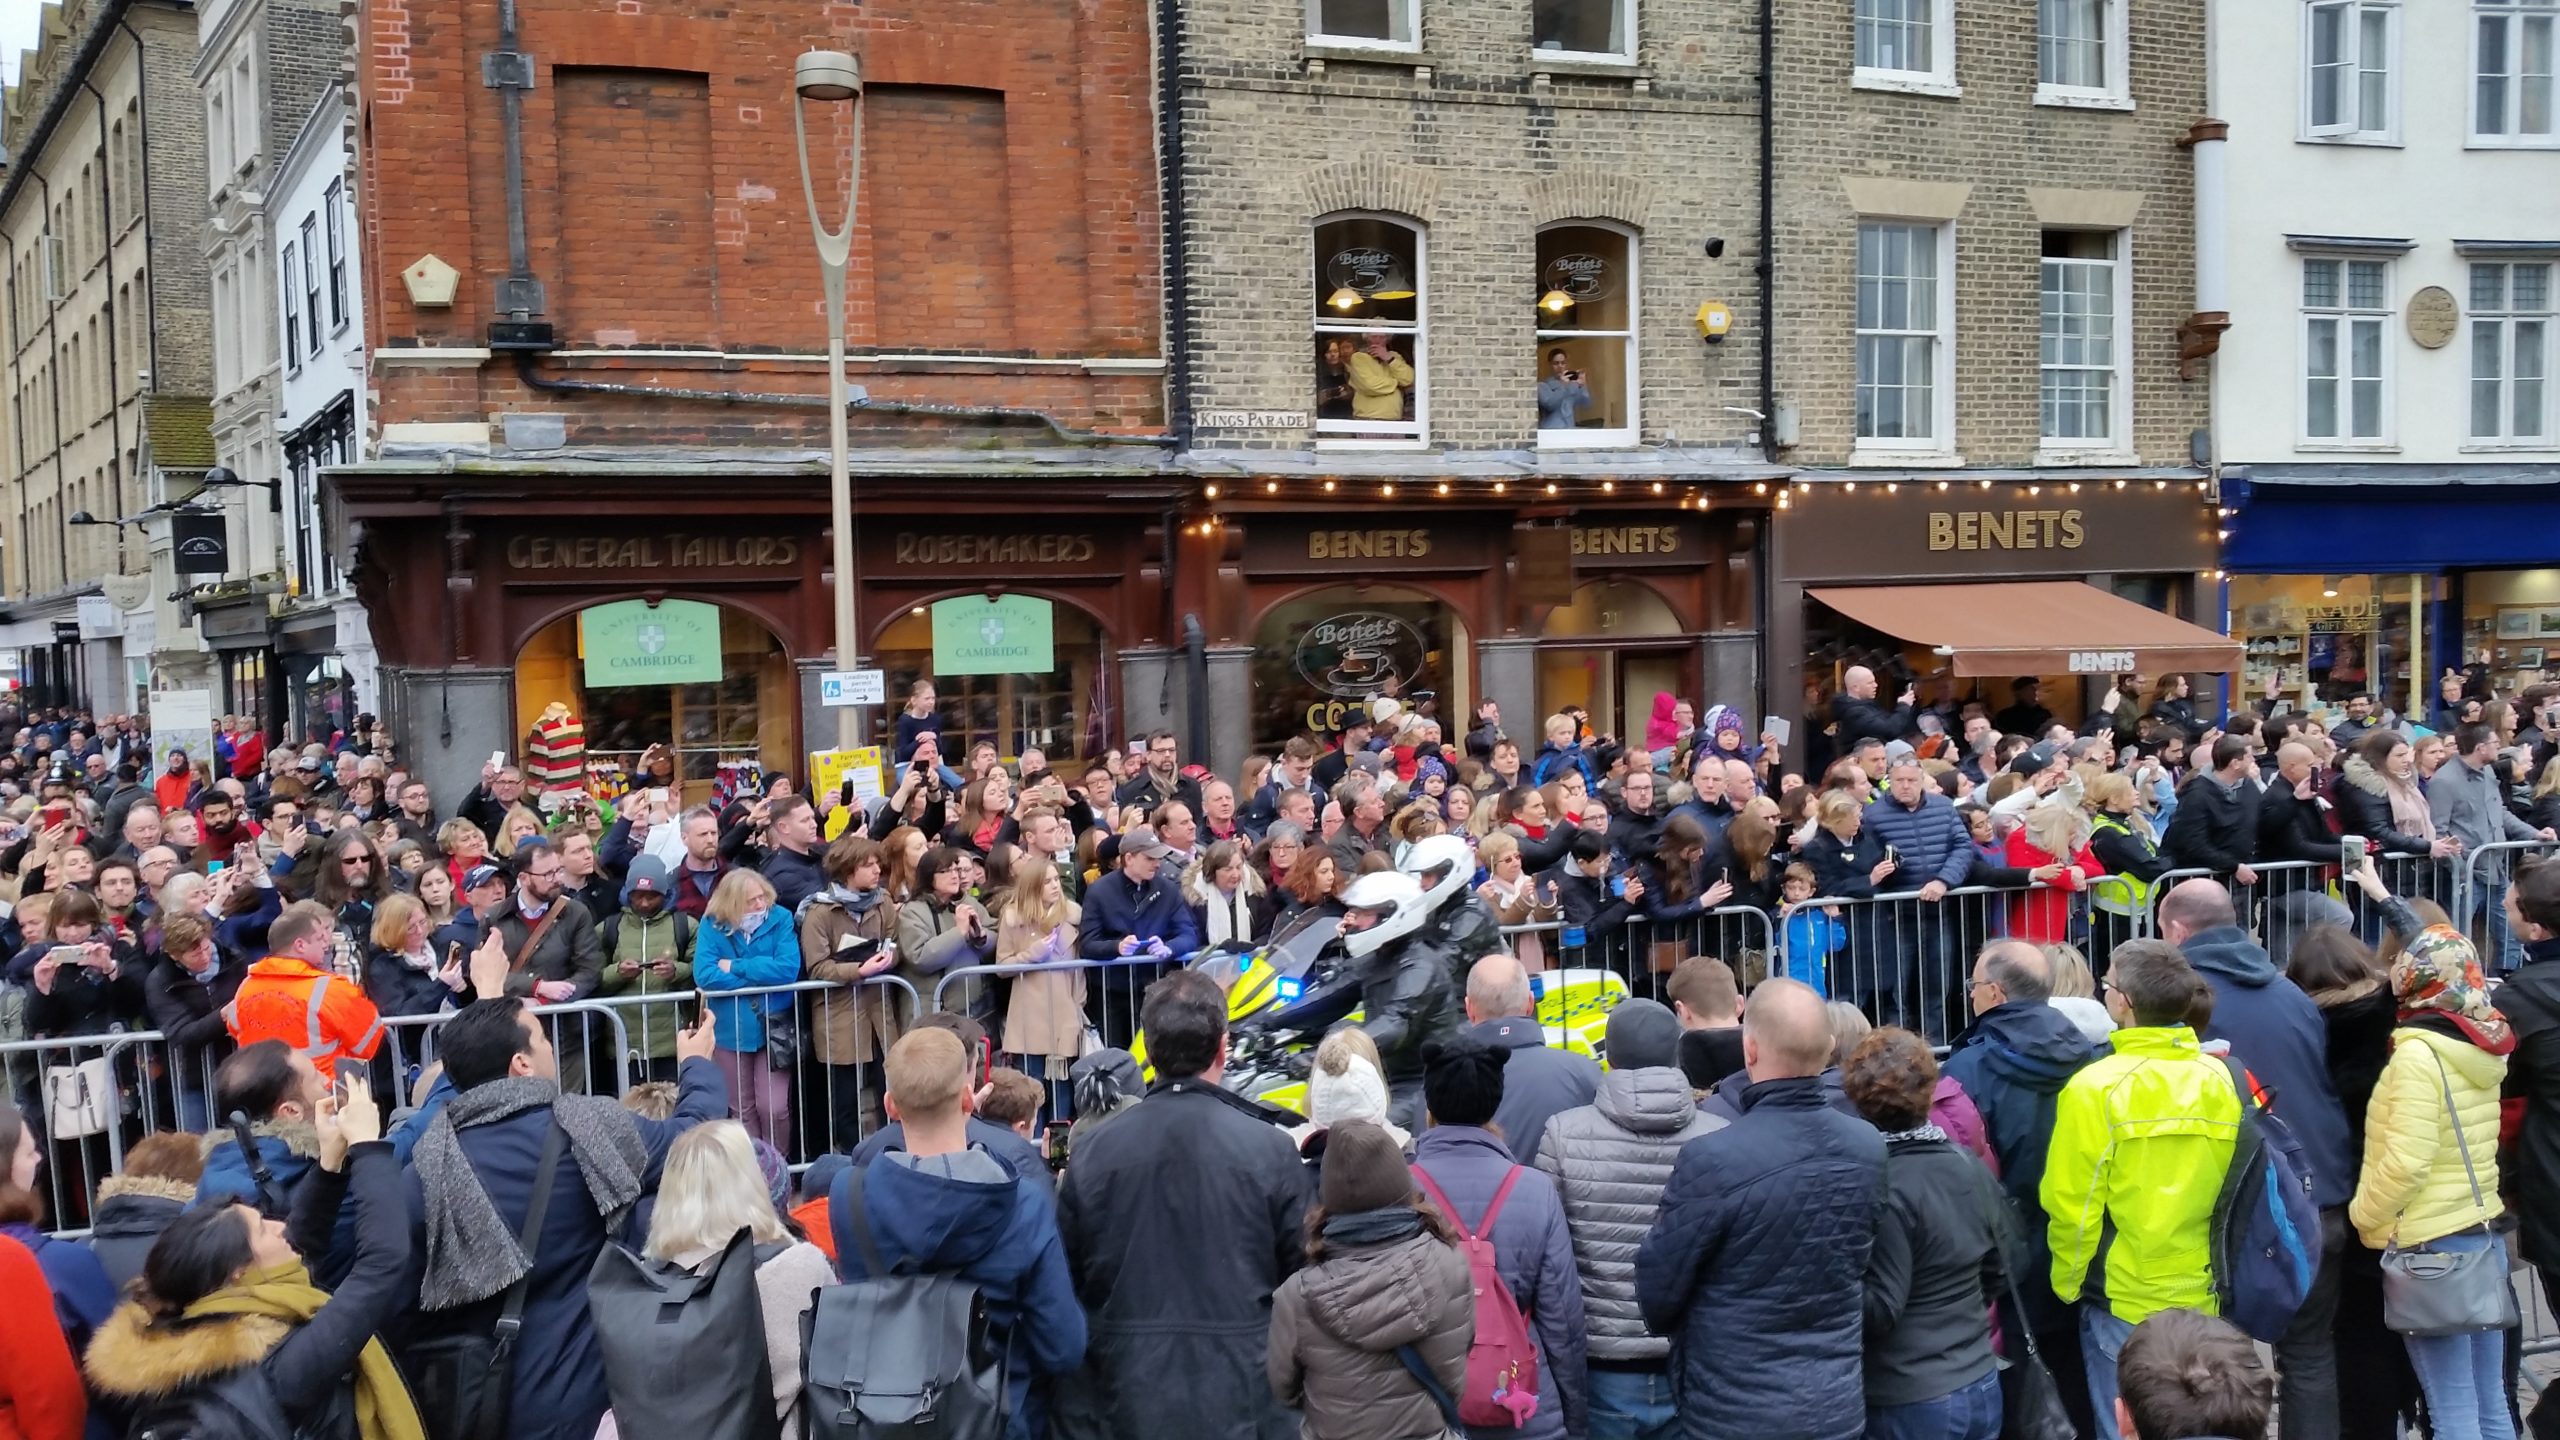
x=2141 y=1139
x=2412 y=1187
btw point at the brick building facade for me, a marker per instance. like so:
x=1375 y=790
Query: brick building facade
x=1478 y=183
x=109 y=356
x=1985 y=254
x=657 y=380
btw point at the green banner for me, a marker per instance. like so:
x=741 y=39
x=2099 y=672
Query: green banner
x=632 y=642
x=1006 y=635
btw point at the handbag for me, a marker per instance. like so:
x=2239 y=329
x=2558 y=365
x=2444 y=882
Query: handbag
x=80 y=1100
x=464 y=1383
x=2448 y=1292
x=782 y=1038
x=2030 y=1402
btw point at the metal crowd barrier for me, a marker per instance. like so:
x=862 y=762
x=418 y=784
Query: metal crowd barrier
x=2479 y=904
x=1904 y=959
x=89 y=1098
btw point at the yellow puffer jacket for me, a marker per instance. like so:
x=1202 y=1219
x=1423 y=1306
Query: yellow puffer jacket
x=2413 y=1188
x=2141 y=1139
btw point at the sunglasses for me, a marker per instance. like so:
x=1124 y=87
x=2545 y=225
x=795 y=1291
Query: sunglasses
x=355 y=860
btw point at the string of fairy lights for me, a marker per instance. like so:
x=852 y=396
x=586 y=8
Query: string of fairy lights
x=1690 y=496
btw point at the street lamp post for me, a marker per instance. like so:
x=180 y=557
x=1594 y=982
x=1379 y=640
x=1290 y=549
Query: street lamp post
x=830 y=76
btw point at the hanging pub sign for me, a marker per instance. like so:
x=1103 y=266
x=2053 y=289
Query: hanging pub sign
x=200 y=541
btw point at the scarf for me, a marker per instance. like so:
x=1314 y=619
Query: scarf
x=284 y=1292
x=423 y=961
x=1373 y=1227
x=1916 y=1132
x=471 y=1253
x=2409 y=809
x=1225 y=917
x=2439 y=971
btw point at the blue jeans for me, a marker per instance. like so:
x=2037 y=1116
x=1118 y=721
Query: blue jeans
x=1972 y=1413
x=2465 y=1376
x=1632 y=1405
x=2102 y=1338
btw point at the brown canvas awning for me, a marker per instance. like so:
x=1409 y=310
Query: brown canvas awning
x=2035 y=627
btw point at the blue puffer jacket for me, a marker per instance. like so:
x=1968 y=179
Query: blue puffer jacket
x=288 y=1151
x=1756 y=1269
x=2013 y=1064
x=966 y=1214
x=1929 y=843
x=726 y=959
x=1534 y=1250
x=2277 y=1031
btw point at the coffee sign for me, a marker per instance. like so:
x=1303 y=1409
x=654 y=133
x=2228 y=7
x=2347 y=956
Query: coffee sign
x=1583 y=277
x=1359 y=653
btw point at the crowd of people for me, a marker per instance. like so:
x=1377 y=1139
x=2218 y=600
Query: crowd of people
x=1755 y=1210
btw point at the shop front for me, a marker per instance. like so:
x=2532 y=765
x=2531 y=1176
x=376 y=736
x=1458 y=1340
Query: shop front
x=1660 y=602
x=1018 y=624
x=1965 y=588
x=2352 y=580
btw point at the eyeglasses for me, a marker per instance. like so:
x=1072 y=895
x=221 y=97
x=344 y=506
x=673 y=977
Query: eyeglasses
x=551 y=874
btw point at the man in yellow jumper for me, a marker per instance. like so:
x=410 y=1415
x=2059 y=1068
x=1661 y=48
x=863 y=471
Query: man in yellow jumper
x=1379 y=377
x=2141 y=1139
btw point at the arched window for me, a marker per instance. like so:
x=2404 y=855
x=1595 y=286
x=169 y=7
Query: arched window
x=1371 y=382
x=1586 y=317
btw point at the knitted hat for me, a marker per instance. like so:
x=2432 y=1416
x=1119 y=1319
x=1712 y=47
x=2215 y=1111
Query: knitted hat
x=777 y=1172
x=1364 y=1169
x=1643 y=1034
x=2440 y=971
x=1462 y=1080
x=1427 y=767
x=1358 y=1093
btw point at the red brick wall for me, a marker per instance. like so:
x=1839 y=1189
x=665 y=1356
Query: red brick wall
x=1009 y=205
x=934 y=170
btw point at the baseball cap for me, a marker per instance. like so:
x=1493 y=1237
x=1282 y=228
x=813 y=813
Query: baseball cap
x=1141 y=840
x=308 y=762
x=2034 y=758
x=1367 y=762
x=480 y=875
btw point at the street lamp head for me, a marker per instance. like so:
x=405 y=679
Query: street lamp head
x=827 y=75
x=220 y=475
x=83 y=517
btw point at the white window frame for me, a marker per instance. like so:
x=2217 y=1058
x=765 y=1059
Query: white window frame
x=2119 y=437
x=1410 y=10
x=1617 y=437
x=2354 y=64
x=1624 y=55
x=2515 y=19
x=1938 y=77
x=1414 y=434
x=333 y=206
x=2115 y=90
x=2506 y=317
x=2347 y=316
x=1942 y=368
x=290 y=296
x=245 y=110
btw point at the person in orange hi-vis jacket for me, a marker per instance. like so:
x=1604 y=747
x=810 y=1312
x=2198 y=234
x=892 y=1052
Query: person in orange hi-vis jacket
x=293 y=995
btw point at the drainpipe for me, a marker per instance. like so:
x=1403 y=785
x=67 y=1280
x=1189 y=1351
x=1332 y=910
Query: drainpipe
x=1768 y=266
x=1171 y=204
x=509 y=71
x=115 y=367
x=150 y=229
x=1195 y=664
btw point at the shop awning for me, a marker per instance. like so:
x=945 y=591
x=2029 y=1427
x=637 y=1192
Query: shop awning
x=2035 y=627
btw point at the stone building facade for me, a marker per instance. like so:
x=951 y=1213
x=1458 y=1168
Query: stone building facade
x=109 y=353
x=260 y=67
x=1479 y=183
x=1985 y=269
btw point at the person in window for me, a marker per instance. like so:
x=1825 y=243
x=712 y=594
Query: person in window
x=1379 y=378
x=1562 y=394
x=1333 y=379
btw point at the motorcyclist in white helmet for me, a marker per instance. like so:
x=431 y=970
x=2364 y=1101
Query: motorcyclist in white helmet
x=1406 y=995
x=1460 y=924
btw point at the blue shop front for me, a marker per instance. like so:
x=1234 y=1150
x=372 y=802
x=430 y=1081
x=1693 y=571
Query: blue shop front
x=2376 y=580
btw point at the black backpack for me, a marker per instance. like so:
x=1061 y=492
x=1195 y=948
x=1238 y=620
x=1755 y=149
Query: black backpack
x=685 y=1349
x=899 y=1355
x=239 y=1406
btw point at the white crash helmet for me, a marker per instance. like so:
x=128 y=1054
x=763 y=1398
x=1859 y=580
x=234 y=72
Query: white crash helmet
x=1399 y=902
x=1449 y=855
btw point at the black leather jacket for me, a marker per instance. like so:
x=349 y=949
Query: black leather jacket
x=1407 y=1000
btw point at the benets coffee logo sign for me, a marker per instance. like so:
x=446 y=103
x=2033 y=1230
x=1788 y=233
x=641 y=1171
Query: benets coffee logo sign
x=1359 y=653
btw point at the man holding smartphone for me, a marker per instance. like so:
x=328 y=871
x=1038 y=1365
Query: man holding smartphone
x=1563 y=394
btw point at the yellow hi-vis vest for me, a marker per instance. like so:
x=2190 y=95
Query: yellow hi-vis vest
x=2120 y=894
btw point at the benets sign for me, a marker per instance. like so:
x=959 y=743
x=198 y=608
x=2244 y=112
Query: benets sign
x=2102 y=662
x=1359 y=653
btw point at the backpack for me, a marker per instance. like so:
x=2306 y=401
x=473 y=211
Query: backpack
x=898 y=1355
x=1502 y=1361
x=239 y=1406
x=2266 y=1226
x=685 y=1349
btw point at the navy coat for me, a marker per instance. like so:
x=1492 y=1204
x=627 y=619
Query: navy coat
x=1756 y=1268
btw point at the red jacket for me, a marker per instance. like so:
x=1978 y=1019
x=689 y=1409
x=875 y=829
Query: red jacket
x=2042 y=916
x=40 y=1393
x=248 y=754
x=173 y=791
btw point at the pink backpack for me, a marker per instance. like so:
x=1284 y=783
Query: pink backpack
x=1502 y=1363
